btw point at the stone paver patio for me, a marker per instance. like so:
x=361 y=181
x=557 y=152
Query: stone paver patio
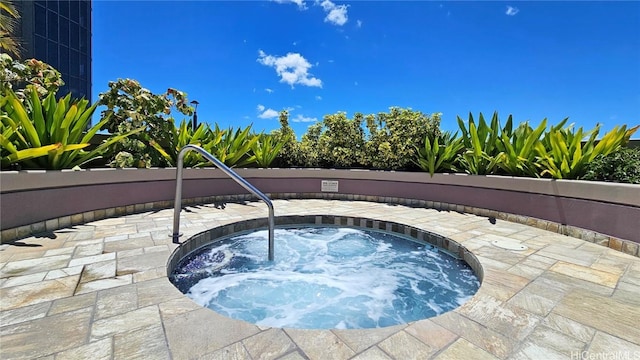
x=100 y=291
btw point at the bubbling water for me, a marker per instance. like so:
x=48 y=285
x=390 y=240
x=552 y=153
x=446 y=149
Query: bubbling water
x=325 y=277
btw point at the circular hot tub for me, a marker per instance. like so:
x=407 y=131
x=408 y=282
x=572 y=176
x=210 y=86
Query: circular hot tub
x=326 y=274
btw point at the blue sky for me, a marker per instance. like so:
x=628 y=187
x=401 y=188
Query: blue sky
x=246 y=60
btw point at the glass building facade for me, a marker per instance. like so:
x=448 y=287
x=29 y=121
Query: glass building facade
x=58 y=32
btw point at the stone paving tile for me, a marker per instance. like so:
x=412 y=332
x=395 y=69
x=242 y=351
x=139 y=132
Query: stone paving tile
x=125 y=322
x=232 y=352
x=102 y=284
x=91 y=259
x=32 y=266
x=316 y=344
x=97 y=350
x=72 y=303
x=404 y=346
x=23 y=295
x=491 y=341
x=129 y=265
x=269 y=344
x=431 y=334
x=569 y=327
x=533 y=301
x=606 y=344
x=359 y=340
x=560 y=252
x=144 y=343
x=156 y=291
x=88 y=250
x=567 y=283
x=601 y=313
x=373 y=353
x=586 y=273
x=53 y=333
x=546 y=343
x=24 y=279
x=23 y=314
x=177 y=306
x=504 y=318
x=187 y=340
x=462 y=349
x=97 y=271
x=116 y=301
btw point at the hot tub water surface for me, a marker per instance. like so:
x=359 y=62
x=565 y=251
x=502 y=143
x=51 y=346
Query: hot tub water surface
x=325 y=277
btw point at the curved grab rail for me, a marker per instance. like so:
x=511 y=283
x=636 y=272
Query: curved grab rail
x=177 y=205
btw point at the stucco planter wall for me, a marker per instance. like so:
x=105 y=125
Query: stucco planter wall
x=40 y=197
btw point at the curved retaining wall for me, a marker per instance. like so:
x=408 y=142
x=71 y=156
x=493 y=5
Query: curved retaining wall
x=608 y=213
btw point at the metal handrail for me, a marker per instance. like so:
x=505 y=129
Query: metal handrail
x=239 y=179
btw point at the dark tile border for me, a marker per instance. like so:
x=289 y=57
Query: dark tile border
x=422 y=236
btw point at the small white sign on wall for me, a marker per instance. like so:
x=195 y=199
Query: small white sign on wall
x=329 y=186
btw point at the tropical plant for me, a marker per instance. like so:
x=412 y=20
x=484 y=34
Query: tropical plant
x=9 y=17
x=289 y=154
x=441 y=154
x=341 y=142
x=394 y=137
x=566 y=154
x=234 y=147
x=15 y=75
x=180 y=137
x=519 y=149
x=45 y=134
x=130 y=106
x=308 y=146
x=266 y=149
x=622 y=165
x=481 y=155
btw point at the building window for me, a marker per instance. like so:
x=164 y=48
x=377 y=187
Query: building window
x=40 y=18
x=74 y=63
x=64 y=61
x=74 y=34
x=83 y=66
x=84 y=13
x=52 y=26
x=52 y=54
x=40 y=48
x=83 y=40
x=52 y=5
x=64 y=8
x=64 y=32
x=74 y=11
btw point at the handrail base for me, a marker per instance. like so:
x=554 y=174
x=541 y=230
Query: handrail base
x=176 y=237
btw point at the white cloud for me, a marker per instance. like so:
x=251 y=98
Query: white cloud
x=511 y=11
x=318 y=97
x=331 y=61
x=268 y=90
x=336 y=14
x=264 y=113
x=292 y=68
x=359 y=23
x=301 y=118
x=300 y=3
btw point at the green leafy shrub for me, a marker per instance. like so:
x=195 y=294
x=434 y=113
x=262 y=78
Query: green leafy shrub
x=565 y=154
x=440 y=155
x=234 y=147
x=266 y=149
x=289 y=154
x=341 y=142
x=481 y=156
x=17 y=75
x=130 y=106
x=622 y=165
x=519 y=148
x=394 y=137
x=45 y=134
x=183 y=136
